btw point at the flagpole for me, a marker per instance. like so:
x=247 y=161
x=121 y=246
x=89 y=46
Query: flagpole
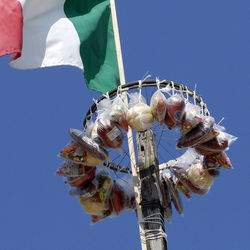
x=129 y=134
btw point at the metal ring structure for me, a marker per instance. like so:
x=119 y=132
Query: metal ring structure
x=135 y=85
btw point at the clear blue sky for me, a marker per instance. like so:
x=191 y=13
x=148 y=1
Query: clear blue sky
x=191 y=42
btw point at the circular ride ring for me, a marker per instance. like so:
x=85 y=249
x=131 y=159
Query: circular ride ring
x=148 y=87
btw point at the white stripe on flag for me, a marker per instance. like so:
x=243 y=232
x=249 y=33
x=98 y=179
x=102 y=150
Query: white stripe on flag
x=49 y=37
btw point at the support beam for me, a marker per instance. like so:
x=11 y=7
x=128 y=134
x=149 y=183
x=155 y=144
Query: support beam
x=152 y=210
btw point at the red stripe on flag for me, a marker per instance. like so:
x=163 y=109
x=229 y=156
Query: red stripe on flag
x=11 y=28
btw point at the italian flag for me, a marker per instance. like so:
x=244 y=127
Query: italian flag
x=43 y=33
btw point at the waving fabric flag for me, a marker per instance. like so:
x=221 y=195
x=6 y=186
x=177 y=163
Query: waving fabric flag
x=43 y=33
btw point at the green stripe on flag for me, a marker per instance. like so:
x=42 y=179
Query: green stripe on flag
x=93 y=23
